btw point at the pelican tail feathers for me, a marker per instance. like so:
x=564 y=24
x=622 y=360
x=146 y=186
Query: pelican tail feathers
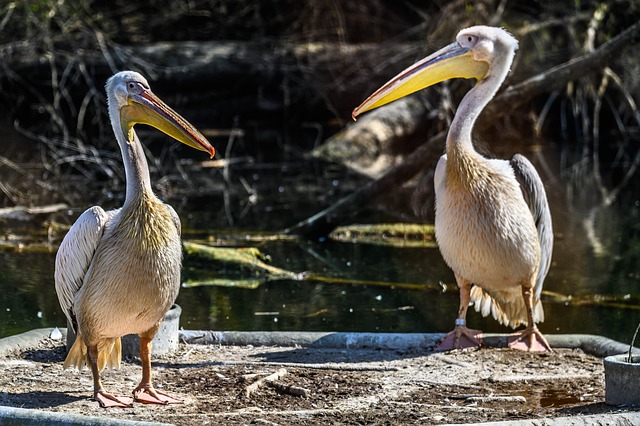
x=507 y=308
x=109 y=354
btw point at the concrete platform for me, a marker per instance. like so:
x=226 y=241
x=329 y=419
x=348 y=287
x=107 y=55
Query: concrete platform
x=387 y=350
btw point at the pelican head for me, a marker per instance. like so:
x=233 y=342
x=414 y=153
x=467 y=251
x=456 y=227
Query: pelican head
x=478 y=53
x=131 y=100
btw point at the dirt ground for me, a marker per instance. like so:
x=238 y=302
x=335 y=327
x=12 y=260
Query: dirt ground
x=342 y=386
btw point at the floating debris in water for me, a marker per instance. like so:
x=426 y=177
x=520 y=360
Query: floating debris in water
x=317 y=313
x=387 y=234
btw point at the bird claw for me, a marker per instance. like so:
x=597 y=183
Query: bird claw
x=460 y=338
x=109 y=400
x=530 y=340
x=149 y=395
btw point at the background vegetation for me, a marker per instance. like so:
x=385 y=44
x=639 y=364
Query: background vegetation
x=274 y=79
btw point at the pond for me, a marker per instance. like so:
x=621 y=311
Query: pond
x=592 y=286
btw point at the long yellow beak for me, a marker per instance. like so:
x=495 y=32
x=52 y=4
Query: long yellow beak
x=147 y=108
x=452 y=61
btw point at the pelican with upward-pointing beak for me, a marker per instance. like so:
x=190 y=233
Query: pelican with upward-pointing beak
x=493 y=224
x=117 y=272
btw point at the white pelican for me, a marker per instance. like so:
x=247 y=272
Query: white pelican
x=493 y=224
x=118 y=272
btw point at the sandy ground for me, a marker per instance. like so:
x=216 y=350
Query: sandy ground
x=321 y=386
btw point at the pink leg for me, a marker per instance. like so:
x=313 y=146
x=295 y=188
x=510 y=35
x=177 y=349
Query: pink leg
x=145 y=392
x=104 y=398
x=530 y=339
x=461 y=337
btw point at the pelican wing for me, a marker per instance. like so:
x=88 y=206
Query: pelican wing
x=75 y=255
x=536 y=198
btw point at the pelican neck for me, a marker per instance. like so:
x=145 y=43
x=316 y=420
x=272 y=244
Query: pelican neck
x=136 y=168
x=459 y=138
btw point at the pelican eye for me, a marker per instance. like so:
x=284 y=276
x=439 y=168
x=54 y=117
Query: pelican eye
x=468 y=40
x=136 y=87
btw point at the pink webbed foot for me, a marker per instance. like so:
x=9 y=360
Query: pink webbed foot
x=110 y=400
x=149 y=395
x=530 y=340
x=460 y=338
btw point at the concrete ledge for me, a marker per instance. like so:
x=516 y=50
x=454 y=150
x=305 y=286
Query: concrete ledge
x=400 y=341
x=11 y=416
x=595 y=345
x=592 y=344
x=619 y=419
x=23 y=341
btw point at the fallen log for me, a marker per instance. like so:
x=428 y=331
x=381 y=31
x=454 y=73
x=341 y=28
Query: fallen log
x=220 y=66
x=24 y=213
x=370 y=146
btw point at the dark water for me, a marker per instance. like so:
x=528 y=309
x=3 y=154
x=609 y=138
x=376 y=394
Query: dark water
x=583 y=267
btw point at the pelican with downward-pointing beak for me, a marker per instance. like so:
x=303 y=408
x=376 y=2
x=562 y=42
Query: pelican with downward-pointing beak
x=493 y=224
x=117 y=272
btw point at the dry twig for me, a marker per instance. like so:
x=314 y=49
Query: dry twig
x=253 y=387
x=271 y=381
